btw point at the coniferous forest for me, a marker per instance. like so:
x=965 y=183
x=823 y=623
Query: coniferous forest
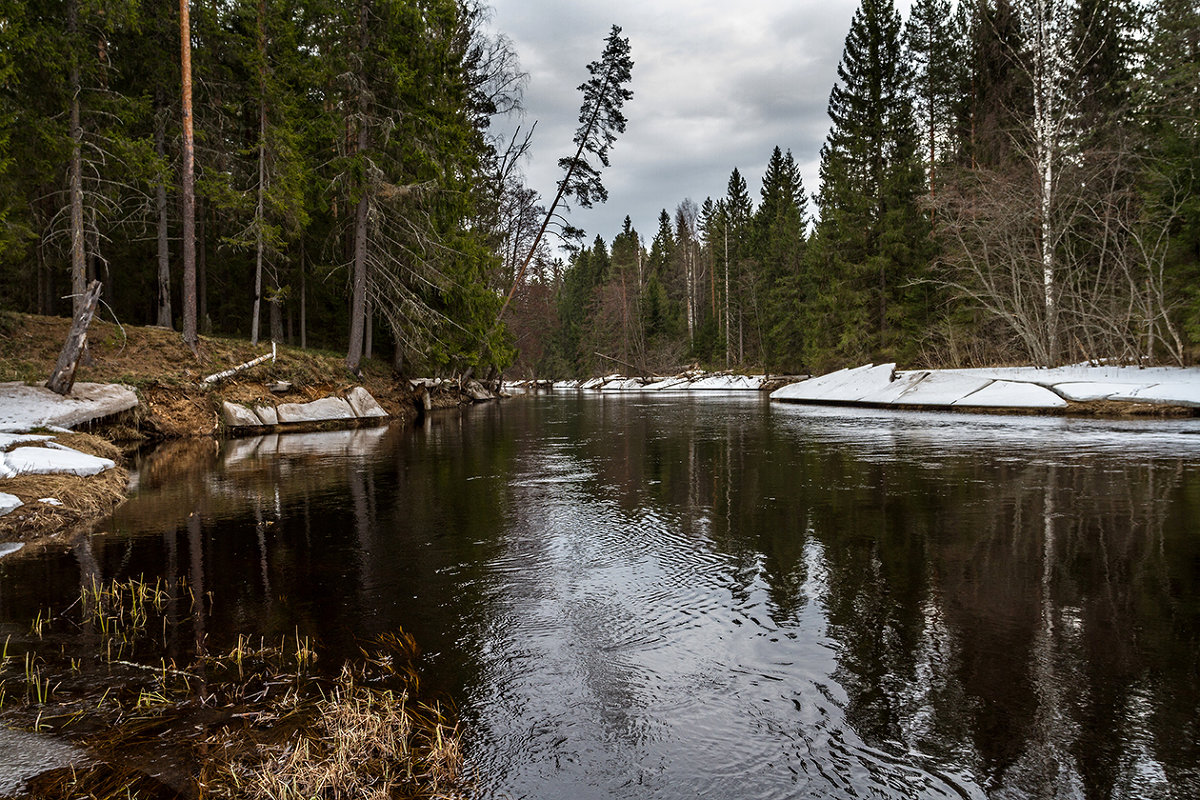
x=1004 y=181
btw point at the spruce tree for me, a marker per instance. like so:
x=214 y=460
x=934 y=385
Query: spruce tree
x=871 y=229
x=932 y=50
x=780 y=232
x=1168 y=92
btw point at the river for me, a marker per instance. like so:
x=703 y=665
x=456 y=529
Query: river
x=714 y=596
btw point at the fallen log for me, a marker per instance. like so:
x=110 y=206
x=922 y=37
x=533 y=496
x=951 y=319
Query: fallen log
x=216 y=376
x=63 y=376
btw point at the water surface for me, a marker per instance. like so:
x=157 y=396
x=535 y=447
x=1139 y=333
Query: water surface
x=677 y=596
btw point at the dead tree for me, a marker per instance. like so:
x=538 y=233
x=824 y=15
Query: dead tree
x=63 y=377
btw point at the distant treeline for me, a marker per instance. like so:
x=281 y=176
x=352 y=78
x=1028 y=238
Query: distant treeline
x=1004 y=181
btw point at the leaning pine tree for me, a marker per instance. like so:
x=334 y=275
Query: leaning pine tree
x=601 y=119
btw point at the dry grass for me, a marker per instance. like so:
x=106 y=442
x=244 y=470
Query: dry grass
x=255 y=722
x=363 y=742
x=84 y=499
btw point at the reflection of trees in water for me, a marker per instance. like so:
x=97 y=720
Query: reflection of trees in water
x=1019 y=616
x=1037 y=600
x=1036 y=621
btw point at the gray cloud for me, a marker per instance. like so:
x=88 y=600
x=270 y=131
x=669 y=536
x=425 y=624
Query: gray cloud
x=714 y=88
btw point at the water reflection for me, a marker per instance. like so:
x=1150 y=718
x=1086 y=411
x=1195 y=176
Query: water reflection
x=715 y=596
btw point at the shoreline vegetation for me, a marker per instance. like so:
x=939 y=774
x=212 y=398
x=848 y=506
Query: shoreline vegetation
x=255 y=719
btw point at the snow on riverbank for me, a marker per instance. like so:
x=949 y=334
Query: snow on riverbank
x=687 y=382
x=1003 y=387
x=23 y=408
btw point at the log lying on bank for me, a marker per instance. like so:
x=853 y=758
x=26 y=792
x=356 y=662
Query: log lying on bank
x=254 y=362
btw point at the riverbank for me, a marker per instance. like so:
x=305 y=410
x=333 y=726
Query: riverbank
x=1086 y=390
x=142 y=384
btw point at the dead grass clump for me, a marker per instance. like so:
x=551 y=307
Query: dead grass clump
x=363 y=742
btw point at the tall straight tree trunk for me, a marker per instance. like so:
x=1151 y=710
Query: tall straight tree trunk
x=78 y=265
x=728 y=340
x=190 y=337
x=258 y=222
x=201 y=266
x=358 y=295
x=690 y=280
x=1045 y=131
x=260 y=205
x=303 y=301
x=164 y=254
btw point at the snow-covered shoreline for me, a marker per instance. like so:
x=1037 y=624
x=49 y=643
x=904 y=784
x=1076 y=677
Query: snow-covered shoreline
x=687 y=382
x=1018 y=388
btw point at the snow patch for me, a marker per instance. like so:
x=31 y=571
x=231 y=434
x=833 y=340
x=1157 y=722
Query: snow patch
x=9 y=502
x=7 y=440
x=44 y=461
x=24 y=407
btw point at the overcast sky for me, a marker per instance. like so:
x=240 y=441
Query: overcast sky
x=716 y=85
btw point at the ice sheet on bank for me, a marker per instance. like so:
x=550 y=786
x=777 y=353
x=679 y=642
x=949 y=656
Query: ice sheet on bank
x=727 y=383
x=1175 y=393
x=24 y=407
x=1005 y=387
x=843 y=386
x=1011 y=394
x=45 y=460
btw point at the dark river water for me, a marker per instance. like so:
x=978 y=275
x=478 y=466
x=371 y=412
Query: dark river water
x=679 y=597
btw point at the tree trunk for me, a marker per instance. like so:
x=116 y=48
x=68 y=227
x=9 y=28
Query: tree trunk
x=63 y=377
x=358 y=295
x=78 y=265
x=260 y=205
x=201 y=268
x=190 y=338
x=303 y=302
x=164 y=254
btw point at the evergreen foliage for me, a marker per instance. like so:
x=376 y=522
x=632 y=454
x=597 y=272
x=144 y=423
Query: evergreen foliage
x=1003 y=181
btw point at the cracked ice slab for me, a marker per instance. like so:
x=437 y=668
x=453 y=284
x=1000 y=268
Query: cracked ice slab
x=1171 y=393
x=1011 y=394
x=941 y=389
x=843 y=386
